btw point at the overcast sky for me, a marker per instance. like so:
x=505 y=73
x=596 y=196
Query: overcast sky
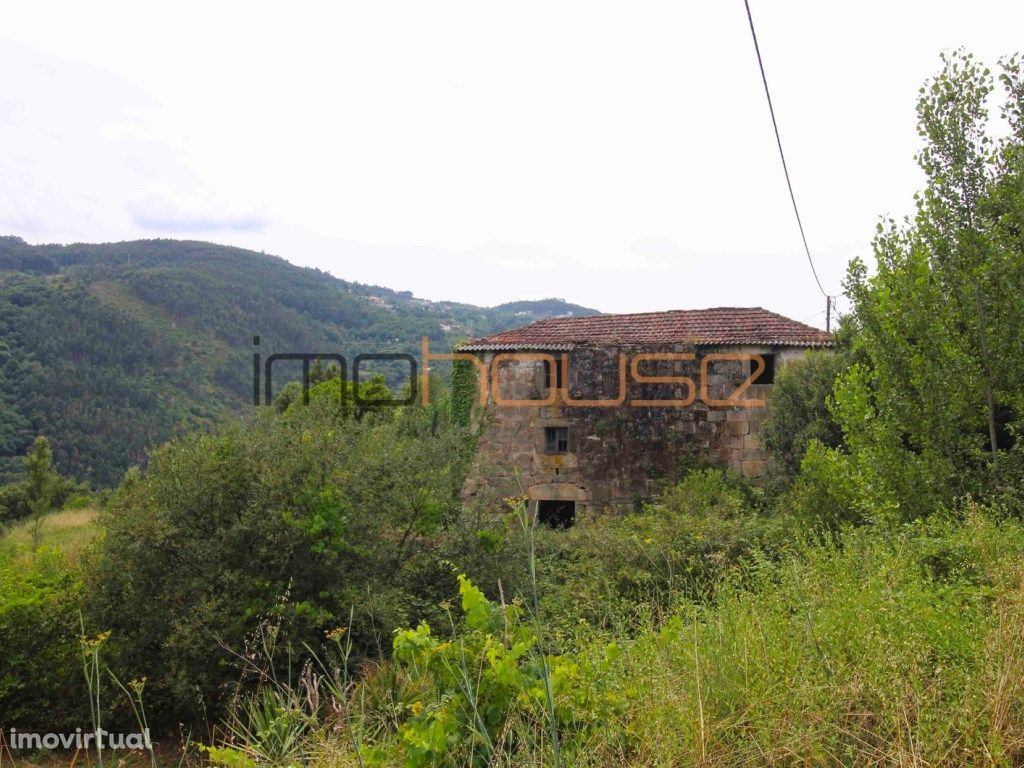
x=617 y=155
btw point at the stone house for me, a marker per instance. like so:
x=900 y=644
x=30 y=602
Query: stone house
x=585 y=414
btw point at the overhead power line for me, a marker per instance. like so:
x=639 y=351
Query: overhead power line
x=778 y=140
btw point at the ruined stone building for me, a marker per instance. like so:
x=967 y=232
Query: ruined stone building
x=585 y=414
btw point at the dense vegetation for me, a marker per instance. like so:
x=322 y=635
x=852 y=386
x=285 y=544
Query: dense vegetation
x=305 y=588
x=110 y=349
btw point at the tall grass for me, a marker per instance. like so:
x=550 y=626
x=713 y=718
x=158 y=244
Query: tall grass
x=892 y=647
x=865 y=655
x=69 y=530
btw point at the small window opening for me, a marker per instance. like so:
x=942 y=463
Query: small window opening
x=556 y=439
x=558 y=376
x=768 y=374
x=556 y=514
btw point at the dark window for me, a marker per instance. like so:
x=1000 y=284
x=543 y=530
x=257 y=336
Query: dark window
x=556 y=439
x=556 y=514
x=768 y=374
x=559 y=376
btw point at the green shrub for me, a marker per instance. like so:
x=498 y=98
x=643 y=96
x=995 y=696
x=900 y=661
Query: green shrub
x=250 y=543
x=493 y=687
x=799 y=411
x=41 y=684
x=623 y=569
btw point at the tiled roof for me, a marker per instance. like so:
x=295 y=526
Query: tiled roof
x=717 y=326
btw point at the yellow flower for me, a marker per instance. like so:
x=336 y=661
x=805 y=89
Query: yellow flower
x=417 y=707
x=91 y=643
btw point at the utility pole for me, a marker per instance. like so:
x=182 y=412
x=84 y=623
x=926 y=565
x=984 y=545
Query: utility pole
x=828 y=314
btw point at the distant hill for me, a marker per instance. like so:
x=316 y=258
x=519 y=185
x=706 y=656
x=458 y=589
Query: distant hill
x=108 y=349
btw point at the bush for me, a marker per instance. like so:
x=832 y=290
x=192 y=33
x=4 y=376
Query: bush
x=252 y=542
x=494 y=687
x=616 y=570
x=799 y=411
x=41 y=683
x=15 y=505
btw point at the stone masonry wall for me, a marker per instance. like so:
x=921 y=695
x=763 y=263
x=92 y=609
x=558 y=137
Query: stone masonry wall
x=617 y=453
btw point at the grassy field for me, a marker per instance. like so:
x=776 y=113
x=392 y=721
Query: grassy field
x=70 y=531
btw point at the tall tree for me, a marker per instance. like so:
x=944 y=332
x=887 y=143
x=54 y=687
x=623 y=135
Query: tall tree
x=930 y=411
x=41 y=481
x=959 y=160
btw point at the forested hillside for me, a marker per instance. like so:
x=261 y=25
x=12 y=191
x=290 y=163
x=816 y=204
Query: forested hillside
x=110 y=349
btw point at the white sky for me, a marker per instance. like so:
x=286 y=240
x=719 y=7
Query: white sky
x=616 y=155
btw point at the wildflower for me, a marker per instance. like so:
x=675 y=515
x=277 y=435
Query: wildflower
x=92 y=643
x=416 y=707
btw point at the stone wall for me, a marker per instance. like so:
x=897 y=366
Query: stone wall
x=617 y=453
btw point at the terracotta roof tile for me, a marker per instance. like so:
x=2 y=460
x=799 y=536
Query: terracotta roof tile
x=717 y=326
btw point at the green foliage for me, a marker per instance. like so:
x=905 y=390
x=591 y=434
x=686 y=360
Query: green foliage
x=799 y=411
x=277 y=527
x=40 y=477
x=271 y=725
x=42 y=489
x=70 y=531
x=227 y=757
x=85 y=374
x=464 y=391
x=930 y=411
x=861 y=655
x=14 y=503
x=112 y=349
x=488 y=686
x=620 y=571
x=895 y=646
x=40 y=675
x=330 y=392
x=717 y=626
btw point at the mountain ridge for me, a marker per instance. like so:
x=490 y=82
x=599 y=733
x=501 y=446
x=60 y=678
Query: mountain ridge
x=111 y=348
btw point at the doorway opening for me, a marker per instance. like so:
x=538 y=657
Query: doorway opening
x=556 y=514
